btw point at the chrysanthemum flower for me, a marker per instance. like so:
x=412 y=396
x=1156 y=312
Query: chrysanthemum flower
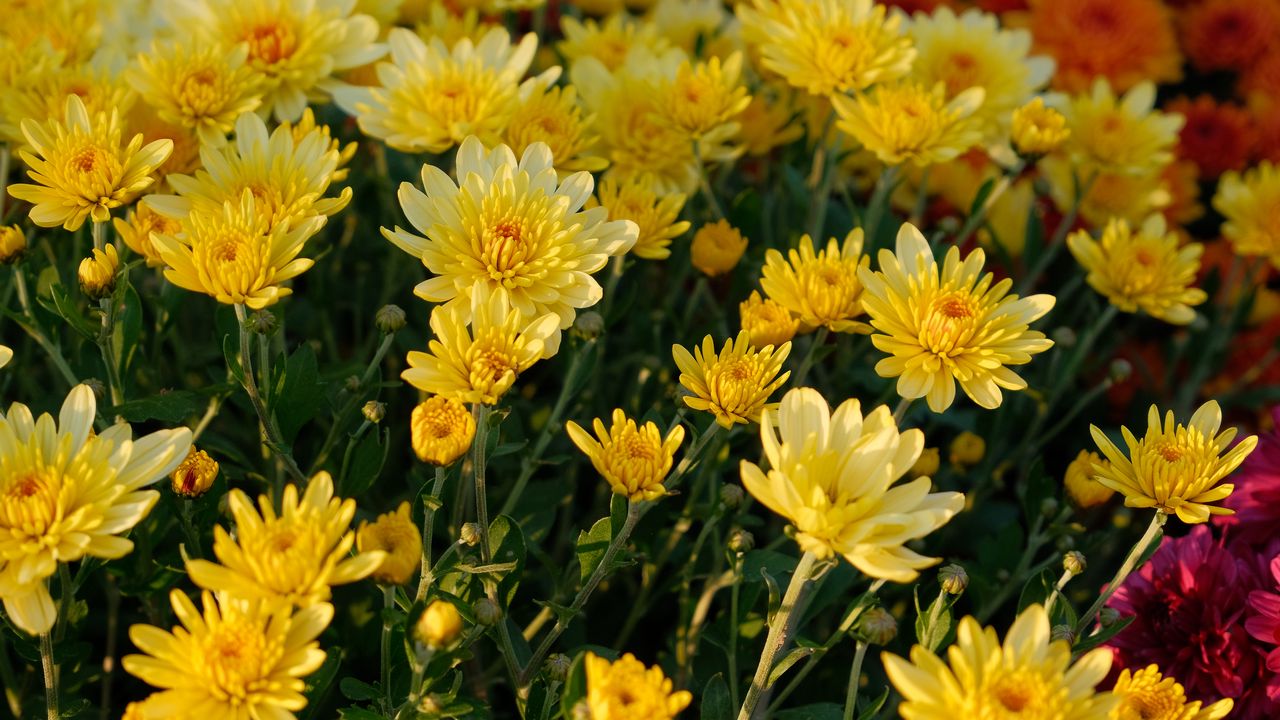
x=706 y=95
x=766 y=321
x=296 y=45
x=1144 y=270
x=1228 y=34
x=633 y=459
x=827 y=46
x=1175 y=468
x=513 y=226
x=693 y=24
x=949 y=324
x=1112 y=195
x=204 y=88
x=42 y=96
x=81 y=168
x=441 y=430
x=1037 y=129
x=6 y=354
x=767 y=121
x=395 y=534
x=450 y=26
x=290 y=558
x=479 y=364
x=137 y=228
x=1217 y=137
x=237 y=255
x=439 y=625
x=432 y=98
x=657 y=216
x=13 y=244
x=236 y=659
x=972 y=50
x=1248 y=203
x=306 y=125
x=185 y=157
x=1028 y=675
x=70 y=493
x=820 y=288
x=1083 y=490
x=1125 y=41
x=626 y=690
x=1256 y=499
x=1120 y=134
x=551 y=115
x=831 y=475
x=735 y=384
x=194 y=475
x=608 y=41
x=1263 y=622
x=906 y=121
x=1181 y=181
x=1147 y=695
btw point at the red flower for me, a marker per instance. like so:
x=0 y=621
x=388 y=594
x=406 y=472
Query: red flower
x=1256 y=499
x=1229 y=34
x=1264 y=620
x=1217 y=138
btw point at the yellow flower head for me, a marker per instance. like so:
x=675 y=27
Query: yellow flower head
x=734 y=385
x=450 y=26
x=431 y=98
x=633 y=459
x=395 y=534
x=441 y=430
x=1146 y=270
x=766 y=321
x=717 y=247
x=81 y=169
x=626 y=690
x=201 y=87
x=236 y=659
x=948 y=324
x=6 y=354
x=236 y=255
x=927 y=464
x=67 y=493
x=656 y=215
x=137 y=228
x=295 y=45
x=290 y=558
x=97 y=273
x=706 y=95
x=1174 y=468
x=967 y=449
x=13 y=244
x=1112 y=194
x=820 y=288
x=185 y=157
x=827 y=47
x=831 y=475
x=608 y=41
x=1038 y=129
x=307 y=125
x=43 y=96
x=907 y=121
x=1120 y=134
x=1147 y=695
x=1082 y=488
x=767 y=121
x=552 y=115
x=439 y=625
x=479 y=364
x=510 y=225
x=1247 y=202
x=1028 y=675
x=195 y=475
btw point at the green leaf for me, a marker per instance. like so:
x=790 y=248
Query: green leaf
x=507 y=542
x=775 y=562
x=617 y=513
x=231 y=354
x=367 y=459
x=66 y=308
x=1103 y=635
x=984 y=192
x=355 y=713
x=353 y=689
x=320 y=682
x=575 y=686
x=818 y=711
x=592 y=545
x=783 y=665
x=775 y=596
x=715 y=700
x=871 y=709
x=169 y=407
x=128 y=326
x=301 y=395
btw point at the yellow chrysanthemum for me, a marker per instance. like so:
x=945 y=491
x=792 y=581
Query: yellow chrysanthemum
x=1081 y=487
x=907 y=122
x=237 y=659
x=1146 y=270
x=717 y=247
x=1147 y=695
x=439 y=625
x=81 y=167
x=706 y=95
x=204 y=88
x=69 y=493
x=451 y=25
x=395 y=534
x=735 y=384
x=827 y=47
x=1028 y=676
x=290 y=558
x=1038 y=129
x=97 y=273
x=236 y=256
x=13 y=244
x=296 y=45
x=479 y=364
x=1120 y=134
x=307 y=125
x=194 y=475
x=513 y=226
x=137 y=228
x=633 y=459
x=626 y=690
x=820 y=288
x=288 y=178
x=6 y=354
x=441 y=430
x=831 y=475
x=766 y=321
x=768 y=122
x=948 y=324
x=432 y=98
x=551 y=115
x=657 y=216
x=70 y=28
x=1174 y=468
x=608 y=41
x=1112 y=194
x=1248 y=202
x=42 y=97
x=692 y=24
x=185 y=158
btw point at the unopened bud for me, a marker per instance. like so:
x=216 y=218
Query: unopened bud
x=731 y=496
x=1120 y=370
x=953 y=579
x=438 y=625
x=194 y=475
x=13 y=244
x=389 y=319
x=374 y=411
x=1049 y=507
x=1062 y=632
x=351 y=384
x=1074 y=562
x=589 y=325
x=967 y=449
x=557 y=667
x=430 y=706
x=1064 y=337
x=99 y=389
x=264 y=323
x=486 y=611
x=97 y=273
x=741 y=541
x=877 y=626
x=927 y=464
x=470 y=534
x=1109 y=616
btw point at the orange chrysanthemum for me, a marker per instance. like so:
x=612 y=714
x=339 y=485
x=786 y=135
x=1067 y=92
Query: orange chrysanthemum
x=1267 y=124
x=1126 y=41
x=1229 y=34
x=1217 y=137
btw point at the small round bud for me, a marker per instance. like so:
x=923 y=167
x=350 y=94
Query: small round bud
x=731 y=496
x=1037 y=129
x=374 y=411
x=927 y=464
x=1062 y=632
x=967 y=449
x=264 y=323
x=1064 y=337
x=1065 y=543
x=429 y=705
x=1049 y=507
x=486 y=611
x=589 y=325
x=441 y=430
x=741 y=541
x=1082 y=488
x=389 y=319
x=716 y=248
x=557 y=667
x=13 y=244
x=1109 y=616
x=1120 y=370
x=194 y=475
x=97 y=273
x=1074 y=562
x=470 y=534
x=581 y=711
x=877 y=626
x=438 y=625
x=351 y=384
x=953 y=579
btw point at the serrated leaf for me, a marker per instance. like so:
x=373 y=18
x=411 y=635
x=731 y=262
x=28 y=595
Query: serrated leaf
x=128 y=326
x=507 y=543
x=66 y=308
x=783 y=665
x=367 y=459
x=716 y=704
x=592 y=545
x=301 y=393
x=169 y=407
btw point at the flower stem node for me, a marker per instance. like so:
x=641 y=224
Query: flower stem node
x=731 y=496
x=487 y=612
x=374 y=411
x=589 y=325
x=1062 y=632
x=557 y=667
x=389 y=319
x=1109 y=616
x=469 y=535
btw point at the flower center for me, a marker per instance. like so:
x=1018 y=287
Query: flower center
x=1170 y=453
x=271 y=42
x=490 y=365
x=29 y=501
x=237 y=658
x=85 y=161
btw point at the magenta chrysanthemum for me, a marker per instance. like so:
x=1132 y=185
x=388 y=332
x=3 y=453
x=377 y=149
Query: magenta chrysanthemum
x=1256 y=499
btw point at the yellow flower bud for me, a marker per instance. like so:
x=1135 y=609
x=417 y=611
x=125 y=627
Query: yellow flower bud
x=967 y=449
x=13 y=244
x=1037 y=129
x=441 y=430
x=1083 y=490
x=766 y=321
x=396 y=535
x=927 y=464
x=438 y=625
x=194 y=475
x=717 y=248
x=98 y=273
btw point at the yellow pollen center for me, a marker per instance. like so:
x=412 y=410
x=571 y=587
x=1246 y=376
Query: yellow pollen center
x=237 y=659
x=1170 y=453
x=85 y=161
x=270 y=42
x=29 y=502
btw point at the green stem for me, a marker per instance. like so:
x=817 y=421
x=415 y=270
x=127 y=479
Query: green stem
x=189 y=529
x=704 y=184
x=54 y=353
x=855 y=676
x=974 y=221
x=900 y=411
x=1059 y=236
x=106 y=336
x=428 y=525
x=824 y=161
x=818 y=339
x=50 y=676
x=733 y=632
x=351 y=404
x=388 y=602
x=479 y=445
x=274 y=441
x=12 y=694
x=780 y=631
x=879 y=203
x=1130 y=564
x=1057 y=590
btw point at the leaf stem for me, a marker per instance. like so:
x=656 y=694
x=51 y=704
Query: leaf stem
x=855 y=677
x=274 y=441
x=780 y=631
x=1151 y=535
x=50 y=676
x=428 y=525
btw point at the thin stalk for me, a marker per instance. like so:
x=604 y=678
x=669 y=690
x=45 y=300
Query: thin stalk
x=1130 y=564
x=818 y=339
x=922 y=198
x=855 y=677
x=824 y=161
x=351 y=403
x=900 y=411
x=109 y=657
x=1059 y=236
x=50 y=676
x=106 y=336
x=189 y=529
x=704 y=184
x=733 y=631
x=1057 y=590
x=780 y=631
x=879 y=201
x=479 y=445
x=974 y=221
x=209 y=413
x=428 y=525
x=388 y=602
x=273 y=440
x=54 y=353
